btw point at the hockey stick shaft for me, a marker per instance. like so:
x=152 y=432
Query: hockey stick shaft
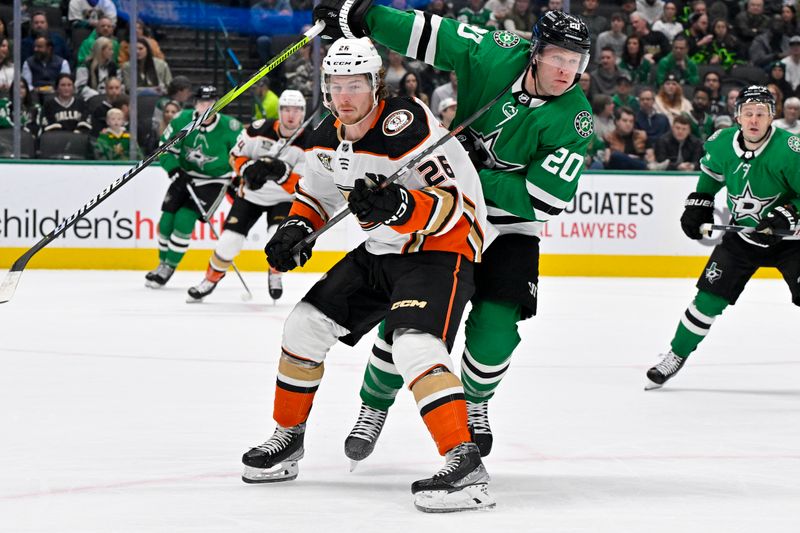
x=205 y=215
x=10 y=282
x=343 y=212
x=708 y=228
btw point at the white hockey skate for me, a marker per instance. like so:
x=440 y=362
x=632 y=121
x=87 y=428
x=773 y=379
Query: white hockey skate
x=276 y=459
x=664 y=371
x=461 y=485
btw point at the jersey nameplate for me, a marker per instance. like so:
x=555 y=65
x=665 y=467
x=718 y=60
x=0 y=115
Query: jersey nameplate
x=397 y=122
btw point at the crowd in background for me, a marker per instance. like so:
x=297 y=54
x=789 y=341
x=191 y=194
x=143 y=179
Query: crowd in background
x=663 y=76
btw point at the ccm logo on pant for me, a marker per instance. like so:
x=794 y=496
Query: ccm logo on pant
x=409 y=303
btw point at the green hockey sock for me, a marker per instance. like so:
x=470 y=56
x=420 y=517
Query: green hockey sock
x=696 y=322
x=165 y=225
x=491 y=337
x=381 y=378
x=181 y=235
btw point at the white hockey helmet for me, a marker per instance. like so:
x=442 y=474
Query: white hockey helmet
x=292 y=98
x=346 y=57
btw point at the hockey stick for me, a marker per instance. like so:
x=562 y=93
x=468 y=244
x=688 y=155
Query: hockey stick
x=205 y=216
x=9 y=285
x=344 y=211
x=785 y=233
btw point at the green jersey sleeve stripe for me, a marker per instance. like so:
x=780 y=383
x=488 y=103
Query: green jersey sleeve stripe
x=424 y=37
x=717 y=176
x=545 y=197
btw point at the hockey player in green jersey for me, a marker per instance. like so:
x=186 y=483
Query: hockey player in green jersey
x=200 y=160
x=529 y=148
x=759 y=165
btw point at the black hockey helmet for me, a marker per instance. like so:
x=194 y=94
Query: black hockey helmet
x=755 y=94
x=206 y=92
x=556 y=28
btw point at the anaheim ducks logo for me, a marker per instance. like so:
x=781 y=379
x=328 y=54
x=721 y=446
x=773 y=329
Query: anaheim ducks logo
x=325 y=159
x=397 y=122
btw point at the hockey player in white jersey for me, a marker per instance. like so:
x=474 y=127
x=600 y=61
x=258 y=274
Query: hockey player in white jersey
x=415 y=269
x=267 y=171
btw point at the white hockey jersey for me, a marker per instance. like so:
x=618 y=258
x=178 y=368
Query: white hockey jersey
x=449 y=213
x=262 y=139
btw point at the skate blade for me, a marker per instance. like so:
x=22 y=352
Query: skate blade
x=193 y=300
x=286 y=471
x=650 y=385
x=152 y=285
x=470 y=498
x=353 y=464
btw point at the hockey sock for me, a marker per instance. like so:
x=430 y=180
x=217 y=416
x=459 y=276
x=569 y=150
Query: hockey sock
x=491 y=337
x=696 y=322
x=181 y=235
x=298 y=381
x=382 y=380
x=440 y=400
x=217 y=267
x=165 y=225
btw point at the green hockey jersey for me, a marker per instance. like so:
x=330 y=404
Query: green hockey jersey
x=757 y=181
x=536 y=147
x=112 y=147
x=205 y=153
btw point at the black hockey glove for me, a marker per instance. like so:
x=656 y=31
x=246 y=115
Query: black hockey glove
x=391 y=205
x=279 y=248
x=698 y=210
x=180 y=177
x=783 y=217
x=354 y=11
x=478 y=154
x=255 y=174
x=277 y=170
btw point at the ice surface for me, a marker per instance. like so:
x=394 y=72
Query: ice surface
x=126 y=409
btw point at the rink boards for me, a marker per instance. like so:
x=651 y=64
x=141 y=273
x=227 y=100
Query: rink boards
x=619 y=224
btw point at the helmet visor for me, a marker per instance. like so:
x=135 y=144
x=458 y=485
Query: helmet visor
x=352 y=84
x=562 y=58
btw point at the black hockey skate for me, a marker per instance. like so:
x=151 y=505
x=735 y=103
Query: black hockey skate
x=461 y=485
x=159 y=277
x=478 y=421
x=275 y=284
x=664 y=371
x=276 y=459
x=201 y=290
x=362 y=438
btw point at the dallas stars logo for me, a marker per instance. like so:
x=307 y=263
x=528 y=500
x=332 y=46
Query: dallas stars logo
x=748 y=205
x=488 y=143
x=196 y=154
x=506 y=39
x=713 y=273
x=584 y=124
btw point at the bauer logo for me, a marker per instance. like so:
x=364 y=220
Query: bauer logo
x=584 y=124
x=397 y=122
x=409 y=303
x=506 y=39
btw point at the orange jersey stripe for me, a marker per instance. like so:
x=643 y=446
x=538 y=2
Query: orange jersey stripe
x=291 y=183
x=452 y=298
x=238 y=162
x=299 y=208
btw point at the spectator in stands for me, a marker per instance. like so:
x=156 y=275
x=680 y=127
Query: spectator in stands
x=299 y=72
x=65 y=111
x=87 y=13
x=171 y=109
x=679 y=147
x=751 y=21
x=713 y=83
x=667 y=24
x=4 y=29
x=724 y=50
x=791 y=114
x=628 y=8
x=265 y=100
x=633 y=62
x=586 y=85
x=409 y=86
x=730 y=101
x=447 y=111
x=476 y=14
x=105 y=28
x=651 y=10
x=595 y=23
x=30 y=110
x=623 y=94
x=768 y=47
x=614 y=38
x=448 y=90
x=788 y=21
x=792 y=63
x=678 y=63
x=153 y=73
x=41 y=70
x=626 y=145
x=441 y=8
x=656 y=45
x=6 y=65
x=91 y=76
x=112 y=90
x=273 y=14
x=500 y=10
x=670 y=100
x=394 y=71
x=777 y=75
x=779 y=98
x=603 y=111
x=702 y=121
x=113 y=143
x=606 y=74
x=40 y=26
x=521 y=19
x=142 y=34
x=697 y=34
x=180 y=91
x=722 y=121
x=650 y=121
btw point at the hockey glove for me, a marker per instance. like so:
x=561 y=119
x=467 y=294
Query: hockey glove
x=279 y=248
x=698 y=210
x=277 y=170
x=478 y=154
x=255 y=174
x=391 y=205
x=353 y=11
x=783 y=217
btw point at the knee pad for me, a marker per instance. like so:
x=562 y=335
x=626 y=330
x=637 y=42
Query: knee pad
x=415 y=353
x=229 y=245
x=308 y=334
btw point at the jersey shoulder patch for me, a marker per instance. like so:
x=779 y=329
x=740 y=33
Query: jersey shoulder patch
x=506 y=39
x=401 y=127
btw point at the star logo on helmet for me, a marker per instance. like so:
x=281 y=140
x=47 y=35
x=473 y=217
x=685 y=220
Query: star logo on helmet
x=748 y=205
x=584 y=124
x=506 y=39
